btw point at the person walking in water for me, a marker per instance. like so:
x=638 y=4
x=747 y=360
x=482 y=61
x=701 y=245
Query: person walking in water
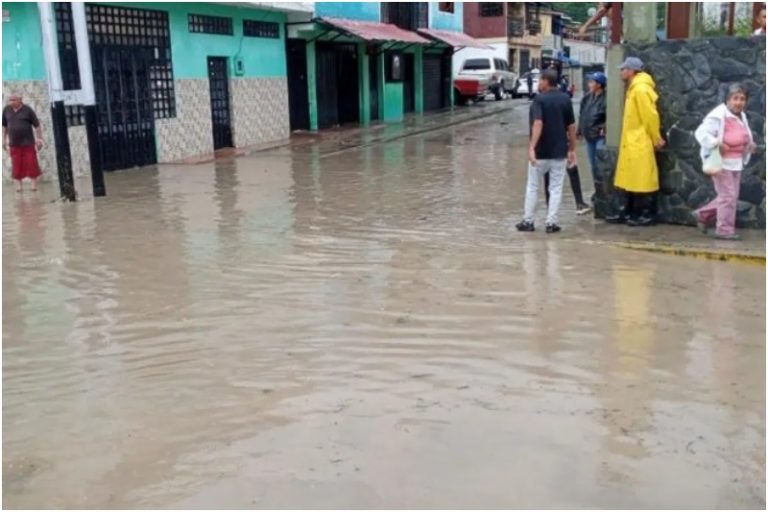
x=637 y=176
x=725 y=129
x=592 y=116
x=552 y=146
x=22 y=142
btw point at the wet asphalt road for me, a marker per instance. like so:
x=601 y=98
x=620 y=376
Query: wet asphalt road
x=366 y=329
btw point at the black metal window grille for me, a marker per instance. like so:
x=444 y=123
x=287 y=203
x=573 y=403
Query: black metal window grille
x=491 y=9
x=141 y=29
x=406 y=15
x=254 y=28
x=75 y=115
x=65 y=31
x=203 y=24
x=446 y=6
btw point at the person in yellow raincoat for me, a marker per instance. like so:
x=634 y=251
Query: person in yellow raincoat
x=637 y=176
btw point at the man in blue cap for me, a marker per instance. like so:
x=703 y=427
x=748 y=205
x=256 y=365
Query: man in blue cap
x=592 y=118
x=637 y=176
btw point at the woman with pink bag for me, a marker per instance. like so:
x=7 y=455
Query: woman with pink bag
x=726 y=146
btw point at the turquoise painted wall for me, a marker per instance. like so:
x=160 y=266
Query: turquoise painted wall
x=367 y=11
x=263 y=57
x=23 y=43
x=446 y=20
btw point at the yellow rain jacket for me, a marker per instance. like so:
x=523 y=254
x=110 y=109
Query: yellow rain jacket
x=636 y=170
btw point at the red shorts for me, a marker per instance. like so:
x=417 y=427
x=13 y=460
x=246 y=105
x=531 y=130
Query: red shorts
x=24 y=162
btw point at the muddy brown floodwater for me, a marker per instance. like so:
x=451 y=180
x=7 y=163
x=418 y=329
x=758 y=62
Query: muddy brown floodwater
x=366 y=329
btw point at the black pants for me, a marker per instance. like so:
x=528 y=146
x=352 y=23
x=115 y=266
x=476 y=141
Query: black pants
x=573 y=177
x=634 y=205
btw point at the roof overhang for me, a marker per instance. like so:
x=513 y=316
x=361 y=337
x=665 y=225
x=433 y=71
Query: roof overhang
x=371 y=31
x=454 y=39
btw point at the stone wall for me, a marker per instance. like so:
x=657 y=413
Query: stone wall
x=692 y=77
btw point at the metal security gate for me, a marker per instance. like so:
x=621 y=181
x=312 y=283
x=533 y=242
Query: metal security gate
x=298 y=98
x=218 y=79
x=133 y=81
x=409 y=82
x=126 y=125
x=433 y=82
x=338 y=96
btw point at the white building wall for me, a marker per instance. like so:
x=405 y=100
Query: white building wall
x=587 y=53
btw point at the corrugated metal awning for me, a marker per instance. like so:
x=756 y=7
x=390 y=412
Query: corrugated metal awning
x=371 y=31
x=454 y=39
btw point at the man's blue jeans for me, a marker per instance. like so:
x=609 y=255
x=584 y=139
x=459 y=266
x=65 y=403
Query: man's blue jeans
x=592 y=147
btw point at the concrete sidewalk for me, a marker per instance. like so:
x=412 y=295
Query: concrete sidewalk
x=680 y=241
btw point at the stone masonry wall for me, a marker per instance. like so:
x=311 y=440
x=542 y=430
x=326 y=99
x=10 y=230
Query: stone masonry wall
x=692 y=77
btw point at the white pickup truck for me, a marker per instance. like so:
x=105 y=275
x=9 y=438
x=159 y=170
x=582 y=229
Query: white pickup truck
x=496 y=71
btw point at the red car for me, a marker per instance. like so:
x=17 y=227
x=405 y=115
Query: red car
x=470 y=88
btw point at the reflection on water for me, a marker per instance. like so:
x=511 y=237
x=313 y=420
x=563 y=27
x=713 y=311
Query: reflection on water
x=366 y=330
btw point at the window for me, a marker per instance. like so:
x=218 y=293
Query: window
x=146 y=32
x=75 y=115
x=406 y=15
x=269 y=29
x=202 y=24
x=491 y=9
x=476 y=64
x=65 y=31
x=446 y=6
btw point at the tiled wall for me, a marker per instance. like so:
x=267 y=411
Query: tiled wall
x=259 y=110
x=189 y=133
x=259 y=114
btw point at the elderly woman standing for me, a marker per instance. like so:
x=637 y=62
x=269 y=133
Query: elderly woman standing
x=725 y=129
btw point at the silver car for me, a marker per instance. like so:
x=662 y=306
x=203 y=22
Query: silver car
x=522 y=84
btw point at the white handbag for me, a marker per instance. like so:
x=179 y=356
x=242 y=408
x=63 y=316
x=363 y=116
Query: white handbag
x=713 y=164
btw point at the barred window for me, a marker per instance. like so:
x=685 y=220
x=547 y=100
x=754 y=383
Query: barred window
x=446 y=6
x=65 y=32
x=203 y=24
x=253 y=28
x=75 y=115
x=491 y=9
x=148 y=32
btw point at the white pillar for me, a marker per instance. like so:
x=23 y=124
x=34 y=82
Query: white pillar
x=87 y=95
x=51 y=51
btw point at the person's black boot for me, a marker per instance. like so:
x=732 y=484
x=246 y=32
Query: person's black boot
x=573 y=177
x=620 y=208
x=644 y=211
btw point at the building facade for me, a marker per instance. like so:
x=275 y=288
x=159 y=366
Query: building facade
x=172 y=81
x=529 y=31
x=360 y=62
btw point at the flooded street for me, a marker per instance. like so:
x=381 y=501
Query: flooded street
x=366 y=329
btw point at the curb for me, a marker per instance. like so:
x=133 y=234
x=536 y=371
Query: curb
x=729 y=256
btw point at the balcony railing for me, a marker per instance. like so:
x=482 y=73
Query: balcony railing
x=515 y=27
x=534 y=26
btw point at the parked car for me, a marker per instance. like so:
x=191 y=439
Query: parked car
x=521 y=89
x=470 y=88
x=495 y=70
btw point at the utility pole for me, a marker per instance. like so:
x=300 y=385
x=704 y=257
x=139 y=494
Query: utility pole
x=59 y=97
x=58 y=115
x=88 y=97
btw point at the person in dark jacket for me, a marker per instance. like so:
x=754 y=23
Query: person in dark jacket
x=592 y=118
